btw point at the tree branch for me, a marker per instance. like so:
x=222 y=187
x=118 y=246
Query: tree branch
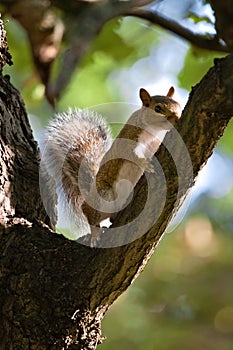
x=223 y=11
x=167 y=23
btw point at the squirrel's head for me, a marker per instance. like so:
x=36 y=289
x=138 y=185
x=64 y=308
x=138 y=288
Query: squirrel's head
x=164 y=105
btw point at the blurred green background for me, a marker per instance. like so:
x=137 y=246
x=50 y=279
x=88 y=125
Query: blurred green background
x=184 y=298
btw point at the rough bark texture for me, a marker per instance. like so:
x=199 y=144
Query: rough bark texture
x=223 y=11
x=19 y=159
x=55 y=292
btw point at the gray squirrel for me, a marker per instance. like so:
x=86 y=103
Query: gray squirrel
x=94 y=174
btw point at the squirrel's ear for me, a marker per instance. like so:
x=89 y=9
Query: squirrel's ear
x=145 y=97
x=171 y=92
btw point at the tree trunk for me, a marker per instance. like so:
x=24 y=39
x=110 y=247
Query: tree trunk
x=55 y=292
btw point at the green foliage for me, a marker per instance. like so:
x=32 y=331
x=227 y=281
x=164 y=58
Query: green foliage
x=198 y=19
x=120 y=43
x=196 y=65
x=219 y=210
x=226 y=142
x=23 y=73
x=20 y=51
x=178 y=302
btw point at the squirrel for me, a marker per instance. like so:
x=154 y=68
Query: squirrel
x=97 y=175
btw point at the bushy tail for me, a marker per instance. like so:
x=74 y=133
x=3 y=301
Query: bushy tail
x=75 y=143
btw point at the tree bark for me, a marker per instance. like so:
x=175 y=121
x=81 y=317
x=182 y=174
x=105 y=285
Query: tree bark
x=55 y=292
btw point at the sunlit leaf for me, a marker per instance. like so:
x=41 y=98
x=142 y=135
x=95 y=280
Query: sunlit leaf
x=196 y=65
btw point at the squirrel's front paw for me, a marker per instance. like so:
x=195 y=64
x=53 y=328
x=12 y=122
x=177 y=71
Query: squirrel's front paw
x=95 y=235
x=147 y=165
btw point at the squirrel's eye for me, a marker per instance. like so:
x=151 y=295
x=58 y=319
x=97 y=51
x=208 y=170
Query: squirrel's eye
x=158 y=109
x=147 y=104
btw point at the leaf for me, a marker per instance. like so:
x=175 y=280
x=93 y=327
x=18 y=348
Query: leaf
x=120 y=44
x=196 y=64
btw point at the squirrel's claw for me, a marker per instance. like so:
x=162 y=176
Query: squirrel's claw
x=95 y=235
x=148 y=166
